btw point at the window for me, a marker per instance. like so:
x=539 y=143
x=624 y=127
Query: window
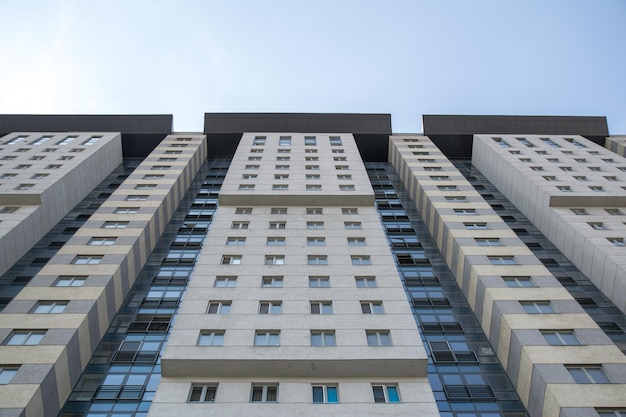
x=91 y=140
x=312 y=176
x=588 y=374
x=611 y=413
x=310 y=151
x=272 y=282
x=87 y=260
x=25 y=337
x=313 y=187
x=385 y=394
x=24 y=186
x=270 y=307
x=70 y=281
x=335 y=140
x=7 y=176
x=231 y=260
x=278 y=225
x=597 y=225
x=316 y=241
x=225 y=282
x=284 y=141
x=610 y=178
x=102 y=241
x=251 y=167
x=236 y=241
x=502 y=143
x=549 y=178
x=488 y=241
x=281 y=176
x=317 y=260
x=280 y=187
x=254 y=158
x=114 y=225
x=344 y=177
x=281 y=167
x=315 y=210
x=356 y=241
x=211 y=338
x=475 y=226
x=537 y=307
x=36 y=158
x=264 y=393
x=314 y=225
x=219 y=307
x=127 y=210
x=203 y=393
x=278 y=210
x=378 y=337
x=502 y=260
x=136 y=197
x=596 y=188
x=311 y=158
x=248 y=176
x=616 y=241
x=525 y=142
x=8 y=209
x=349 y=210
x=319 y=282
x=372 y=307
x=565 y=188
x=515 y=282
x=275 y=241
x=352 y=225
x=256 y=150
x=342 y=167
x=310 y=141
x=259 y=140
x=465 y=212
x=321 y=307
x=153 y=176
x=446 y=187
x=325 y=394
x=312 y=167
x=560 y=337
x=579 y=211
x=50 y=307
x=239 y=225
x=537 y=168
x=267 y=338
x=243 y=210
x=614 y=211
x=246 y=186
x=274 y=259
x=347 y=187
x=365 y=282
x=360 y=260
x=7 y=373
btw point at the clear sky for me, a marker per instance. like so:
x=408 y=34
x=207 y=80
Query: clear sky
x=407 y=58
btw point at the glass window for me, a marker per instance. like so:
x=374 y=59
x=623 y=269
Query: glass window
x=321 y=307
x=372 y=307
x=319 y=282
x=385 y=394
x=560 y=337
x=264 y=393
x=488 y=241
x=70 y=281
x=325 y=394
x=537 y=307
x=378 y=337
x=365 y=282
x=7 y=372
x=102 y=241
x=588 y=374
x=360 y=260
x=87 y=260
x=219 y=307
x=272 y=282
x=316 y=241
x=284 y=141
x=356 y=241
x=274 y=259
x=278 y=210
x=514 y=282
x=231 y=260
x=225 y=282
x=317 y=260
x=25 y=337
x=275 y=241
x=50 y=307
x=270 y=307
x=203 y=393
x=211 y=338
x=267 y=338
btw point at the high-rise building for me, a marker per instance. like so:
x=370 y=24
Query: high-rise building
x=276 y=264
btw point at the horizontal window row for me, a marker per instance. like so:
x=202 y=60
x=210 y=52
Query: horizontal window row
x=43 y=139
x=276 y=307
x=281 y=241
x=283 y=225
x=269 y=259
x=320 y=393
x=307 y=187
x=277 y=281
x=318 y=338
x=286 y=141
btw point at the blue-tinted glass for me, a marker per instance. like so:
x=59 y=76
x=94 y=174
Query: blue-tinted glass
x=331 y=392
x=318 y=394
x=392 y=393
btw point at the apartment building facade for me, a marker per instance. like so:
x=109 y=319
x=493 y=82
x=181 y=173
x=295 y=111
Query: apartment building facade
x=309 y=263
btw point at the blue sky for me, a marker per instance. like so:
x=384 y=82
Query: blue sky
x=407 y=58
